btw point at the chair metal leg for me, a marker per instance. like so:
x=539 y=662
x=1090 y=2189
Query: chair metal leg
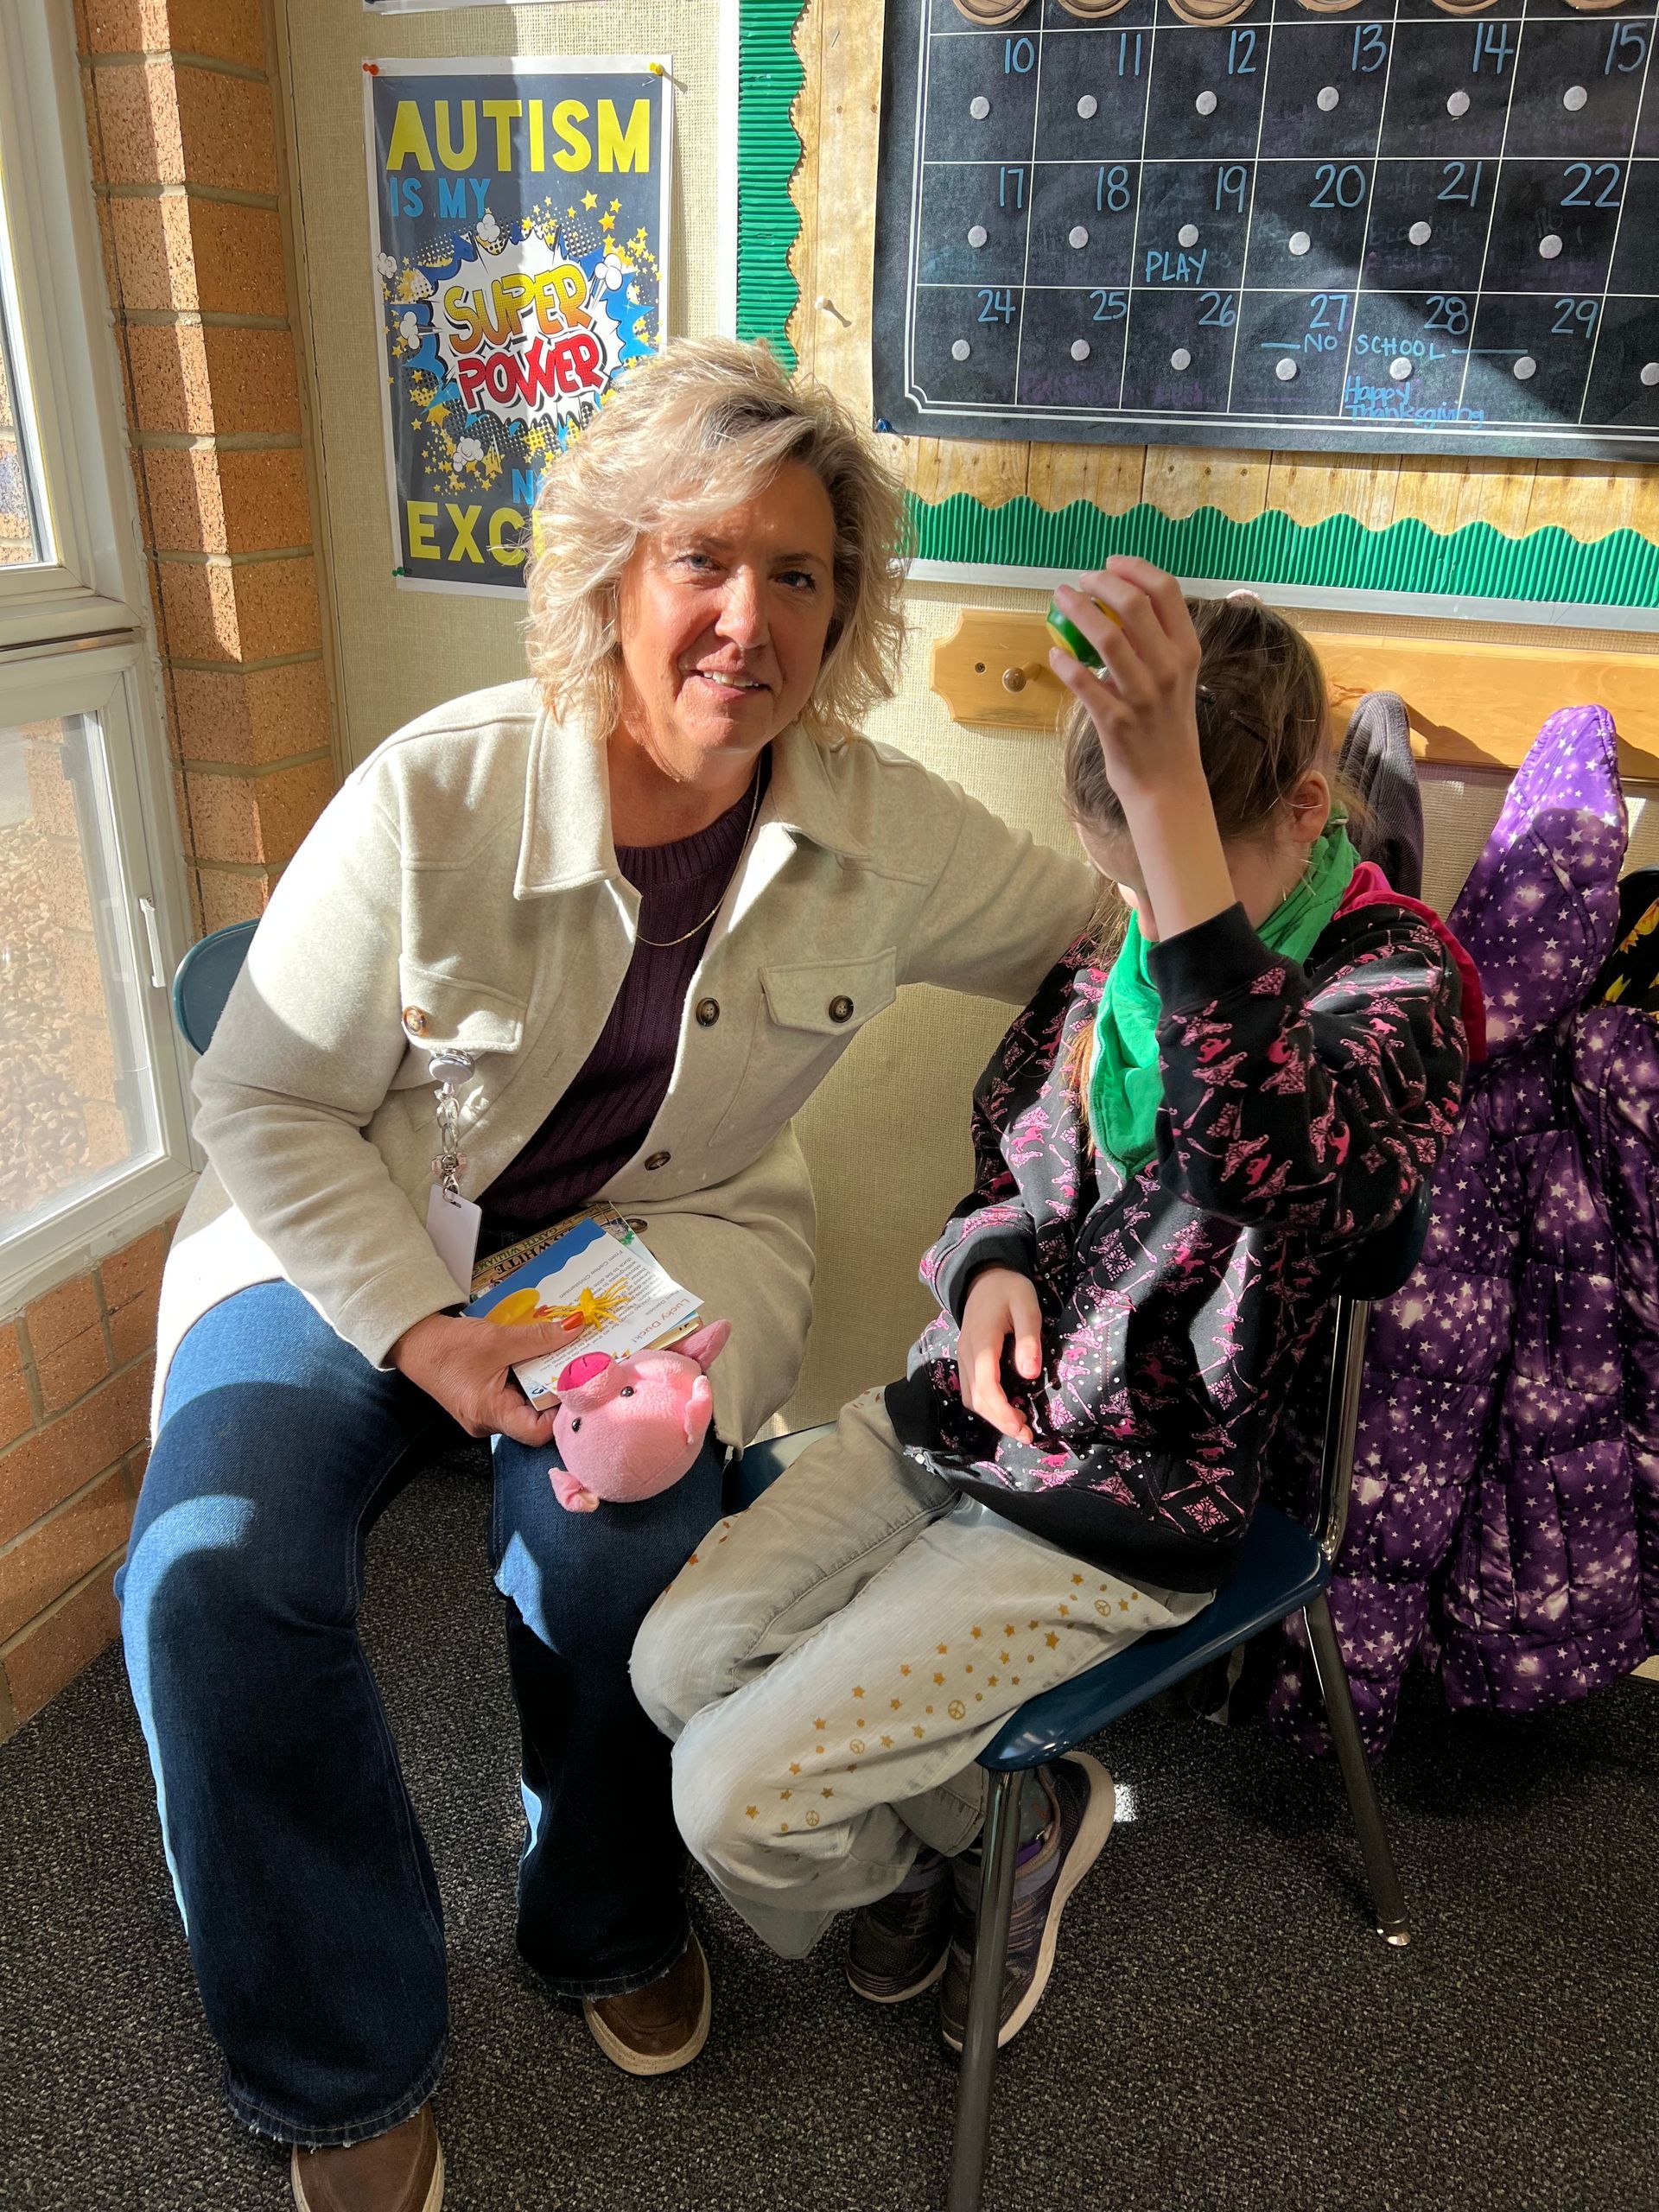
x=1386 y=1896
x=999 y=1848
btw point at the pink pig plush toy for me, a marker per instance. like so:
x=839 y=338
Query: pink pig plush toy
x=627 y=1428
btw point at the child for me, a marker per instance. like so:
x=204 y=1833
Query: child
x=1172 y=1159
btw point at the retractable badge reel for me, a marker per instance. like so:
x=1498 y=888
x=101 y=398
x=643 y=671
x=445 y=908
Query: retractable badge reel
x=452 y=1222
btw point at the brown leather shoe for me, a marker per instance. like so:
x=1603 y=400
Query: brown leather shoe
x=399 y=2171
x=660 y=2028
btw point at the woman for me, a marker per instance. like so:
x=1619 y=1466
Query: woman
x=651 y=894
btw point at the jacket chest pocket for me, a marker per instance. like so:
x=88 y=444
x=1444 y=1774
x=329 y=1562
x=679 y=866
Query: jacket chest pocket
x=810 y=1011
x=446 y=1013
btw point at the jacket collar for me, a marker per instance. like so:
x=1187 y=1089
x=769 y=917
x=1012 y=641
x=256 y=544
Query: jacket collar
x=803 y=798
x=566 y=838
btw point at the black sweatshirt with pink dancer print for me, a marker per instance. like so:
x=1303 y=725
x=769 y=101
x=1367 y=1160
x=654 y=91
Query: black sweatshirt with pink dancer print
x=1303 y=1105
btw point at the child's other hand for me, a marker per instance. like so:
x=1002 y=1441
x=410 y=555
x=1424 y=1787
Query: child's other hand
x=1001 y=1303
x=1143 y=702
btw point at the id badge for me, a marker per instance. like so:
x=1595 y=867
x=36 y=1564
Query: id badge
x=453 y=1224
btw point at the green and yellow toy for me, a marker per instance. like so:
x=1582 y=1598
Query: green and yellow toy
x=1067 y=635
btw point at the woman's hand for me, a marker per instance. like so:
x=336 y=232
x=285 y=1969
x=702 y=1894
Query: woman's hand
x=467 y=1367
x=1001 y=1303
x=1143 y=702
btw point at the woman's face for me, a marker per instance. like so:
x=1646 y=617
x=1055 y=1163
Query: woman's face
x=722 y=625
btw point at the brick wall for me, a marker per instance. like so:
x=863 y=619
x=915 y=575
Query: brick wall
x=74 y=1401
x=182 y=127
x=181 y=120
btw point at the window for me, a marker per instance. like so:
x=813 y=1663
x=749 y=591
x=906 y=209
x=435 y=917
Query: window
x=21 y=541
x=93 y=1136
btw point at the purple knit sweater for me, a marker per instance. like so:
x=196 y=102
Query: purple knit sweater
x=601 y=1120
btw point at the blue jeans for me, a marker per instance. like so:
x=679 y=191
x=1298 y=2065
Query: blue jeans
x=307 y=1895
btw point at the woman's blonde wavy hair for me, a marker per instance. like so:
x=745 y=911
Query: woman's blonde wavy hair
x=689 y=433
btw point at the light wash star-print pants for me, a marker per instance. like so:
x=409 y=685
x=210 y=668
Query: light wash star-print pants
x=831 y=1662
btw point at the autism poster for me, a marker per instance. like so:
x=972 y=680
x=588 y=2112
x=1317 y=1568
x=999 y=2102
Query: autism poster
x=519 y=214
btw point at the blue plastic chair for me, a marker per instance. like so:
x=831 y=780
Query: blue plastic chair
x=203 y=981
x=1283 y=1569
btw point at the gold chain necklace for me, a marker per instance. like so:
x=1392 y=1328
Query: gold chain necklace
x=667 y=943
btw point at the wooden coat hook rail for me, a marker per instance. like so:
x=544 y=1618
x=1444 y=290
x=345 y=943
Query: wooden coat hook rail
x=1471 y=705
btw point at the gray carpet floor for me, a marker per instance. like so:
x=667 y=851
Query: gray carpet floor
x=1222 y=2030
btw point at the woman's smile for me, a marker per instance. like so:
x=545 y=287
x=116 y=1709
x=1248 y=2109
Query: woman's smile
x=732 y=683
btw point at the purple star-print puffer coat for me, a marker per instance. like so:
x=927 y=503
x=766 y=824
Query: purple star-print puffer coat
x=1302 y=1107
x=1505 y=1516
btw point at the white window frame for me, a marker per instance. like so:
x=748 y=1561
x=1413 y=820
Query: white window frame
x=75 y=630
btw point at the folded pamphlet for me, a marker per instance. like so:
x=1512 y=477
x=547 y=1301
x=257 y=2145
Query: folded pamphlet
x=590 y=1274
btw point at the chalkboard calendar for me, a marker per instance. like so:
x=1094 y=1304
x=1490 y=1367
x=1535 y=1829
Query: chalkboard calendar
x=1286 y=223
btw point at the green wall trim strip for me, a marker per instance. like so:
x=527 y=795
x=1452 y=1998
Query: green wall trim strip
x=768 y=153
x=1476 y=562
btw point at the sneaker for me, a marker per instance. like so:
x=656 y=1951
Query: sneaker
x=399 y=2171
x=897 y=1947
x=1083 y=1800
x=660 y=2028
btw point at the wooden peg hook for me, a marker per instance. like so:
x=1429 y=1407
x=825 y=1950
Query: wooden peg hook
x=1472 y=704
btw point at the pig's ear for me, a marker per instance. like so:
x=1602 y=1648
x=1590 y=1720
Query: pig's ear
x=705 y=1344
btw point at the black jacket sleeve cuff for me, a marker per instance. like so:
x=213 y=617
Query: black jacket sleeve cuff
x=992 y=1247
x=1208 y=962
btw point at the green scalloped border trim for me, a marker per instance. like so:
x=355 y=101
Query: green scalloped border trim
x=1477 y=561
x=1545 y=567
x=769 y=74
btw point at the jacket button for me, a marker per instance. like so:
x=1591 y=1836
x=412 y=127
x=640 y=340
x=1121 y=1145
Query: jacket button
x=707 y=1012
x=841 y=1009
x=416 y=1020
x=657 y=1160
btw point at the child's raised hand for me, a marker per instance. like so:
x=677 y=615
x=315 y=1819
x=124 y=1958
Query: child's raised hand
x=1143 y=702
x=1001 y=1303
